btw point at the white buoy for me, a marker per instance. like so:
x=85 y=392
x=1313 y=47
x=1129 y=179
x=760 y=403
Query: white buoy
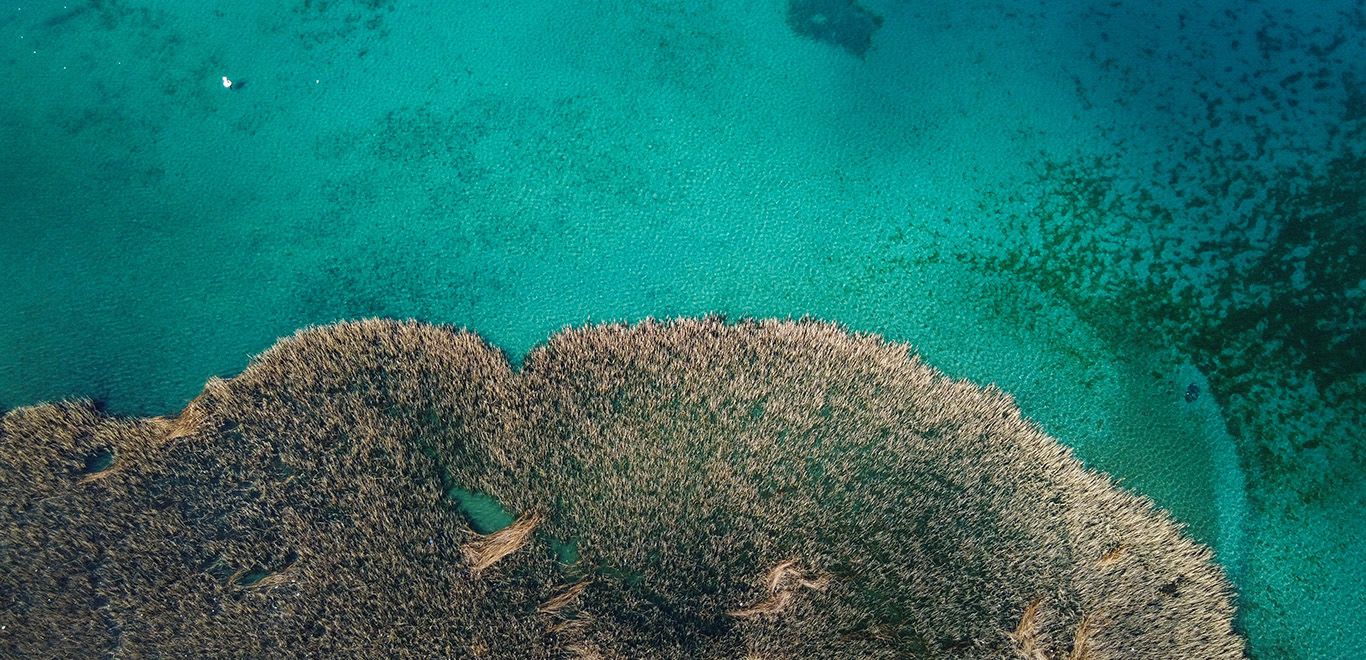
x=227 y=84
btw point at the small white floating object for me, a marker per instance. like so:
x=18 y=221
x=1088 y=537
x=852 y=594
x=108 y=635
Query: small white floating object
x=227 y=84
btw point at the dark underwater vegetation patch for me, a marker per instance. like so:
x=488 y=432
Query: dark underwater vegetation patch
x=330 y=22
x=840 y=23
x=1269 y=309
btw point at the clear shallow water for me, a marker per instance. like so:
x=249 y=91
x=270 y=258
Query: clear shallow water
x=1091 y=207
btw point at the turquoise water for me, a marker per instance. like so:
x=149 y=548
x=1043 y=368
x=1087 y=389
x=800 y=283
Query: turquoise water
x=1093 y=206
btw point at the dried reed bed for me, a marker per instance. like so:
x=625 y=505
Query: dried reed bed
x=757 y=489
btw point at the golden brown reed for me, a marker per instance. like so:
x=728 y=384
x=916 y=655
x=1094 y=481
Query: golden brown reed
x=769 y=488
x=564 y=598
x=487 y=549
x=1081 y=639
x=1028 y=646
x=783 y=581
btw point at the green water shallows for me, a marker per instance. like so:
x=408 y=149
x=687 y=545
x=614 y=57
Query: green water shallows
x=566 y=552
x=99 y=461
x=1034 y=198
x=484 y=513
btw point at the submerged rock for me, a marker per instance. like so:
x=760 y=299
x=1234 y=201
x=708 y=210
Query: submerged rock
x=683 y=489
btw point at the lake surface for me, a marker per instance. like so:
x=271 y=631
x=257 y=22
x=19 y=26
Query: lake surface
x=1143 y=220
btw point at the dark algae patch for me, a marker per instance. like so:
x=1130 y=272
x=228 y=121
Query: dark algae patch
x=1245 y=252
x=841 y=23
x=621 y=495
